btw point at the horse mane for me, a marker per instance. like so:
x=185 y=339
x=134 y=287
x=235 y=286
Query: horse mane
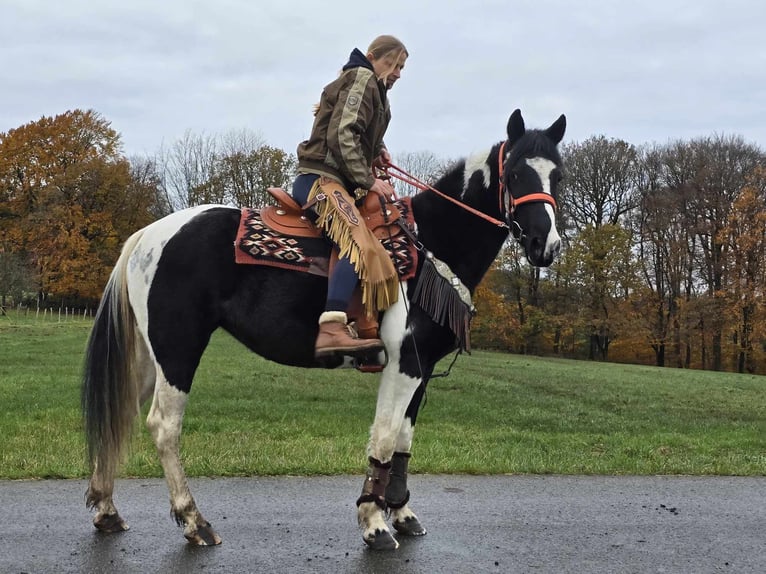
x=533 y=143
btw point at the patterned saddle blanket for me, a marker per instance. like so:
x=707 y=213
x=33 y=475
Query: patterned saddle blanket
x=279 y=236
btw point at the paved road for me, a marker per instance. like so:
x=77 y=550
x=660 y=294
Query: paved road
x=539 y=524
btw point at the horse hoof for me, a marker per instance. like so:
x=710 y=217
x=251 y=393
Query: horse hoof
x=110 y=523
x=382 y=540
x=204 y=536
x=410 y=526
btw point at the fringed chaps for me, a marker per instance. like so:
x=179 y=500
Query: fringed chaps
x=375 y=483
x=340 y=220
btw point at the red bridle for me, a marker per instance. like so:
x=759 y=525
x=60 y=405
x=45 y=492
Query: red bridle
x=514 y=202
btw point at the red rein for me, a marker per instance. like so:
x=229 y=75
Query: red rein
x=410 y=179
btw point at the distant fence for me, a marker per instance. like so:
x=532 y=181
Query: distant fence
x=48 y=313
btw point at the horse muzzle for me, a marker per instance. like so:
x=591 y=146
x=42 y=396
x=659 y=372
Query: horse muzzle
x=541 y=252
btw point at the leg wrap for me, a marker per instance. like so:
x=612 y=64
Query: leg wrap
x=375 y=483
x=397 y=494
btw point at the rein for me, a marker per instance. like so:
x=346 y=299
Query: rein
x=511 y=203
x=421 y=185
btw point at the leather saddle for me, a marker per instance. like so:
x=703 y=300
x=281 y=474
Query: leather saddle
x=289 y=218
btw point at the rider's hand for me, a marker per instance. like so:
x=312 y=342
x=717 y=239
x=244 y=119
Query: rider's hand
x=383 y=187
x=383 y=160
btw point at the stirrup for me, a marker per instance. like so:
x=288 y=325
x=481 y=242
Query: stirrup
x=367 y=362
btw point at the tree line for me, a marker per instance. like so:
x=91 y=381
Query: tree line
x=663 y=259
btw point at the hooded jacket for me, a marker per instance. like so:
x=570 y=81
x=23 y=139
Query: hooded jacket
x=349 y=126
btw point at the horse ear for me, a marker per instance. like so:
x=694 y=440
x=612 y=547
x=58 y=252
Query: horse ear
x=557 y=129
x=515 y=126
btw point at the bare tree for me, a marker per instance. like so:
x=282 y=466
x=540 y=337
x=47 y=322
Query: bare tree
x=187 y=166
x=599 y=191
x=424 y=165
x=724 y=163
x=665 y=245
x=600 y=184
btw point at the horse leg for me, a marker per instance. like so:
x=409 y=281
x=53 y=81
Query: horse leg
x=164 y=422
x=404 y=520
x=99 y=498
x=396 y=390
x=101 y=486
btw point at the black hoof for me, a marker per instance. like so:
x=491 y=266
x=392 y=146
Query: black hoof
x=204 y=536
x=410 y=526
x=382 y=540
x=110 y=523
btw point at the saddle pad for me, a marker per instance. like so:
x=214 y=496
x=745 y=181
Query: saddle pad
x=258 y=244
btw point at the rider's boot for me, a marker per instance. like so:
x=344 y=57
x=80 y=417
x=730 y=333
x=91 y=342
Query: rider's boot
x=335 y=337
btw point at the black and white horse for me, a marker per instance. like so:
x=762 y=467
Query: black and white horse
x=176 y=282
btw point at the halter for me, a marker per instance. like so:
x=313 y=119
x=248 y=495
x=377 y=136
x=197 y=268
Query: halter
x=507 y=204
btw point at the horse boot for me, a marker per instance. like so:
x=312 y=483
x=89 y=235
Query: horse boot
x=397 y=497
x=336 y=338
x=376 y=480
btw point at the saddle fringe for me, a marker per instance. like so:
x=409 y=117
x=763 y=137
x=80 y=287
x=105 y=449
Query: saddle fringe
x=441 y=294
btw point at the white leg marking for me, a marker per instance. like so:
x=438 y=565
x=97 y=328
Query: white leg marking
x=165 y=422
x=404 y=440
x=396 y=389
x=372 y=520
x=402 y=514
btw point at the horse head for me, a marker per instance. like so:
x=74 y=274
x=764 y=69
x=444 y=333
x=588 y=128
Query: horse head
x=531 y=170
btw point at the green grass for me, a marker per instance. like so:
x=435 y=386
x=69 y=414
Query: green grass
x=496 y=413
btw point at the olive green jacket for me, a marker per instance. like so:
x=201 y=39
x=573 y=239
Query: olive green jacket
x=349 y=126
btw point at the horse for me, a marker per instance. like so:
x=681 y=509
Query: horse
x=176 y=282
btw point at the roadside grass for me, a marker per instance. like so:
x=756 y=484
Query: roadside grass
x=496 y=413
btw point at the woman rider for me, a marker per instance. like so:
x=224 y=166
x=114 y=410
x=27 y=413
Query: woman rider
x=346 y=142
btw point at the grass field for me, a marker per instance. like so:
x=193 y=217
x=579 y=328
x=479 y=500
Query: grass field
x=496 y=413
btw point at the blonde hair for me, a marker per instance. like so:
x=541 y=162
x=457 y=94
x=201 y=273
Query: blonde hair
x=387 y=47
x=382 y=47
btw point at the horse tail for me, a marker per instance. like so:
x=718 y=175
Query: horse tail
x=110 y=390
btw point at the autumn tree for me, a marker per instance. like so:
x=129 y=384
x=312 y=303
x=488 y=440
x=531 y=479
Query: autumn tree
x=666 y=246
x=599 y=191
x=723 y=165
x=234 y=168
x=243 y=177
x=496 y=325
x=15 y=278
x=68 y=201
x=745 y=236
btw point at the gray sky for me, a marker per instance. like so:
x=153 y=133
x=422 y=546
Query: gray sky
x=645 y=71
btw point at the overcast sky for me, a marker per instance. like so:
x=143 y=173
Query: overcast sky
x=644 y=71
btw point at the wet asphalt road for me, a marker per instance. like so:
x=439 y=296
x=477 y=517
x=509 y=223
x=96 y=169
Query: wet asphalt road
x=539 y=524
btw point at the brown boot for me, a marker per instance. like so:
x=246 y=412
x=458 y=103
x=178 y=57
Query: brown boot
x=335 y=337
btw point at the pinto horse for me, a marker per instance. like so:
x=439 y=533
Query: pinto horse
x=176 y=282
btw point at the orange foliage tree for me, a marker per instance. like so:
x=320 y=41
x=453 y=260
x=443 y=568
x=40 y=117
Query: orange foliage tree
x=68 y=201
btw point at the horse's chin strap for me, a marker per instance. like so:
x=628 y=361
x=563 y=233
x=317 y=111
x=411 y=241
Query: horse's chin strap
x=508 y=204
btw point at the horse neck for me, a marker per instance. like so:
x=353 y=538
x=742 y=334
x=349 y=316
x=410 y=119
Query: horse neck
x=463 y=240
